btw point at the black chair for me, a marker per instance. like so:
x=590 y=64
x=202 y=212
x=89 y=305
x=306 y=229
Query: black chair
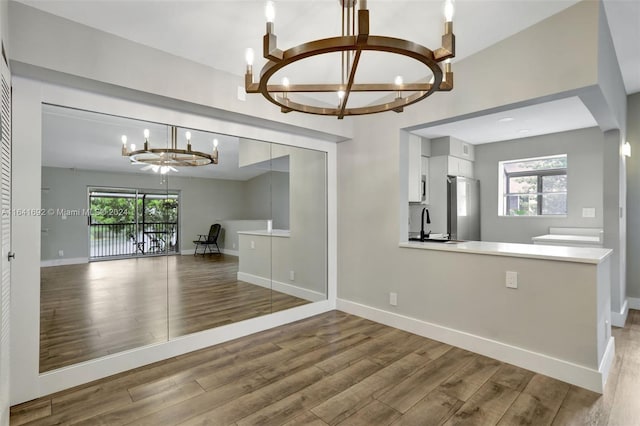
x=139 y=245
x=209 y=240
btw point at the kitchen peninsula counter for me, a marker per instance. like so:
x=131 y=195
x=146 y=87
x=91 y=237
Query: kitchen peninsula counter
x=541 y=307
x=284 y=233
x=559 y=253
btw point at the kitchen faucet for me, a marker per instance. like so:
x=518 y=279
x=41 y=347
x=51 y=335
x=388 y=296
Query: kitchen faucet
x=422 y=234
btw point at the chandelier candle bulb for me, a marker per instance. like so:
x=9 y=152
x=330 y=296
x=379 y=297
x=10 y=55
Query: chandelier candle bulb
x=188 y=136
x=270 y=11
x=146 y=139
x=448 y=11
x=249 y=57
x=133 y=147
x=124 y=145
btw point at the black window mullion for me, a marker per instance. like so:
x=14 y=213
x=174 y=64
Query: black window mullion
x=539 y=195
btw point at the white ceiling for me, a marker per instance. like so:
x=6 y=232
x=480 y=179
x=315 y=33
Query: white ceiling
x=77 y=139
x=217 y=32
x=551 y=117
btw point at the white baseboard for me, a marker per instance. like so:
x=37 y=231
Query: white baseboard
x=224 y=251
x=634 y=303
x=607 y=361
x=60 y=262
x=566 y=371
x=619 y=318
x=292 y=290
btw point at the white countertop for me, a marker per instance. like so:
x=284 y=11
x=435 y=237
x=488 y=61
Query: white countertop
x=284 y=233
x=565 y=254
x=563 y=238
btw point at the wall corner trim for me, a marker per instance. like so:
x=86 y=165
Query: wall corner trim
x=566 y=371
x=634 y=302
x=619 y=318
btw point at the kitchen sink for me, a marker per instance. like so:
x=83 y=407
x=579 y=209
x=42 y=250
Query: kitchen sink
x=436 y=240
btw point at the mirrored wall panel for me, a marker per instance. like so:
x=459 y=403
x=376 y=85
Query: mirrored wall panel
x=137 y=250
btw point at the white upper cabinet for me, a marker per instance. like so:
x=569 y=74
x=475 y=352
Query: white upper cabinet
x=459 y=167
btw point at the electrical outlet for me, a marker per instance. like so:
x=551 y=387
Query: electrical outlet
x=253 y=244
x=234 y=245
x=511 y=279
x=393 y=299
x=292 y=275
x=589 y=212
x=60 y=253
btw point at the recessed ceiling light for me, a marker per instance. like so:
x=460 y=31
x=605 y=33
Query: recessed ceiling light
x=524 y=131
x=505 y=119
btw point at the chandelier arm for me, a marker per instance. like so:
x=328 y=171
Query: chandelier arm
x=331 y=88
x=352 y=76
x=397 y=103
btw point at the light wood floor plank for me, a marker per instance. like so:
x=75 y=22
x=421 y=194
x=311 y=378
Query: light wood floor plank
x=485 y=407
x=141 y=408
x=30 y=411
x=626 y=409
x=294 y=405
x=335 y=368
x=433 y=409
x=538 y=403
x=250 y=403
x=374 y=413
x=346 y=403
x=411 y=390
x=469 y=379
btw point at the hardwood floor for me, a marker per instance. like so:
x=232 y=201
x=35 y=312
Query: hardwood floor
x=338 y=369
x=95 y=309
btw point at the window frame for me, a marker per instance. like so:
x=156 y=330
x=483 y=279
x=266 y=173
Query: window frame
x=539 y=175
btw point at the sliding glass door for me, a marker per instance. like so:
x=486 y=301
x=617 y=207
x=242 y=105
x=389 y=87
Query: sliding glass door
x=132 y=222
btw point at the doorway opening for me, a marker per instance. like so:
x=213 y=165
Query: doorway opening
x=132 y=222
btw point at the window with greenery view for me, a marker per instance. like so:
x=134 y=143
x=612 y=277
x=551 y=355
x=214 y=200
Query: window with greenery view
x=534 y=186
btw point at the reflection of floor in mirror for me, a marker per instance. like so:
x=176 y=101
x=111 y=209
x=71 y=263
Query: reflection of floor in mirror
x=96 y=309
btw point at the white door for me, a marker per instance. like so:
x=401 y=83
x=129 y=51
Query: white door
x=5 y=238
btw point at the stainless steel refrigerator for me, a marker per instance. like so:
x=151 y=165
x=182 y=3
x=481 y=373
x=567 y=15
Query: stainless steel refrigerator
x=463 y=208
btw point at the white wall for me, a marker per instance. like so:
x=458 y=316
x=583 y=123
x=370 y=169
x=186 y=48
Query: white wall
x=455 y=292
x=267 y=196
x=584 y=149
x=633 y=199
x=307 y=208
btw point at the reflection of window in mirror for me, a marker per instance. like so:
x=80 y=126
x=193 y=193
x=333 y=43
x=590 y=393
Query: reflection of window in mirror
x=119 y=268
